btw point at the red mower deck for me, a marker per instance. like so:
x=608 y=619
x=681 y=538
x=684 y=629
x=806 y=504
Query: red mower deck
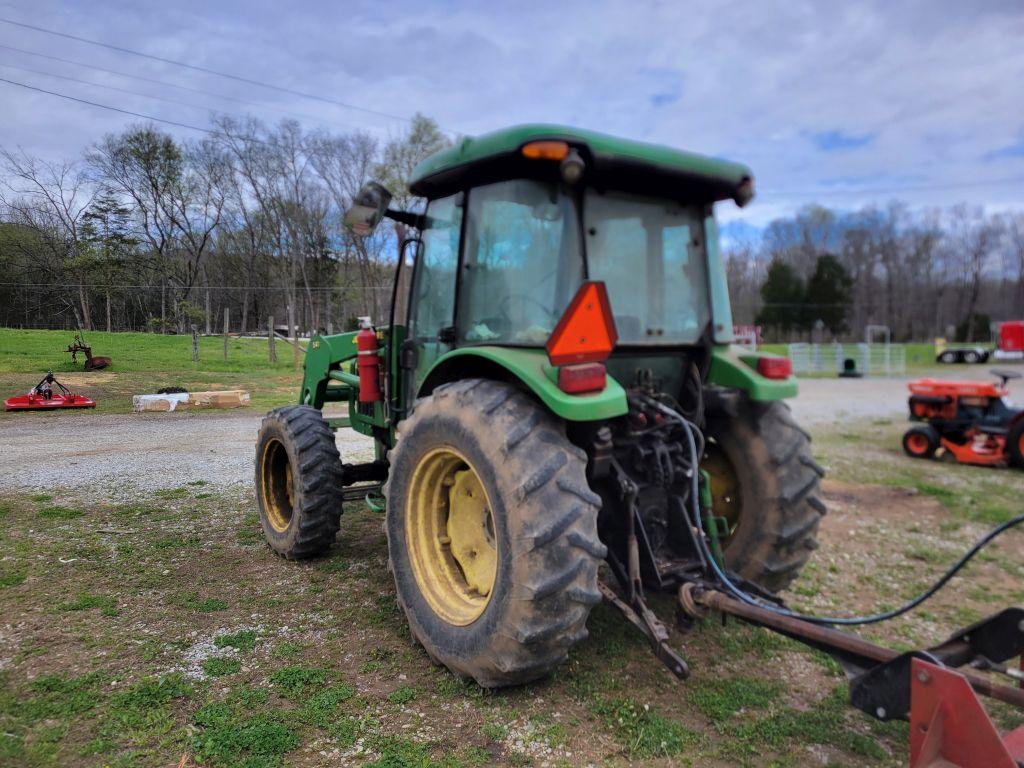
x=43 y=398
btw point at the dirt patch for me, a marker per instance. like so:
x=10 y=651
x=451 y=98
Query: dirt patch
x=86 y=379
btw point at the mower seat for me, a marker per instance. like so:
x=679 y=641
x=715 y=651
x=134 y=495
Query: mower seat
x=1005 y=376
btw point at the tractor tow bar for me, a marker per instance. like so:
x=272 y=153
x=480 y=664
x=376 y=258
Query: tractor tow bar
x=880 y=677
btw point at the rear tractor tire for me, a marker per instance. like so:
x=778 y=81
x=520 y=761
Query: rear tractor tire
x=766 y=484
x=921 y=442
x=299 y=482
x=1015 y=443
x=492 y=533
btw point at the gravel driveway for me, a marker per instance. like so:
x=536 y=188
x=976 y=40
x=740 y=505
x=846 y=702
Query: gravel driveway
x=119 y=452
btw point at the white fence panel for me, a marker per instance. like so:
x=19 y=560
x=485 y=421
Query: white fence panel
x=870 y=359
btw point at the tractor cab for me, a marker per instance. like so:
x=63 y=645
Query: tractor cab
x=517 y=220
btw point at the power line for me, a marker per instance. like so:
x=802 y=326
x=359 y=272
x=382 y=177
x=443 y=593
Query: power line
x=197 y=68
x=113 y=88
x=166 y=84
x=112 y=109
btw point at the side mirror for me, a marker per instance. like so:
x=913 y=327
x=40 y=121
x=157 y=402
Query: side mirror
x=368 y=207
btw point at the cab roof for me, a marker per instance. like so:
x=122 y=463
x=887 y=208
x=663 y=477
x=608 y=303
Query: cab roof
x=611 y=163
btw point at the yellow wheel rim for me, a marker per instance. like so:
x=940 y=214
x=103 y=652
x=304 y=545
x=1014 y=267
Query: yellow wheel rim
x=726 y=500
x=450 y=536
x=276 y=482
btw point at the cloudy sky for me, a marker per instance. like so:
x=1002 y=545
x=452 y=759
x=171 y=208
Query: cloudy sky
x=841 y=103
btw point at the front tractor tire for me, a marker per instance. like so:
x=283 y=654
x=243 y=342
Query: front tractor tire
x=492 y=533
x=298 y=482
x=766 y=484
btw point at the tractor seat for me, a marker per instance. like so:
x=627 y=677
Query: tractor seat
x=991 y=429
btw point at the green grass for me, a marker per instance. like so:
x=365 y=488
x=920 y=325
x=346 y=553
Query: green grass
x=218 y=667
x=644 y=732
x=12 y=575
x=86 y=601
x=28 y=351
x=145 y=362
x=402 y=695
x=719 y=699
x=59 y=513
x=208 y=605
x=297 y=682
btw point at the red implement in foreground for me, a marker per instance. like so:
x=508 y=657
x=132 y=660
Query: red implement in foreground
x=42 y=397
x=949 y=726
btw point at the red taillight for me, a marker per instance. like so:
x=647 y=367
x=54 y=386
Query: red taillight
x=775 y=367
x=582 y=378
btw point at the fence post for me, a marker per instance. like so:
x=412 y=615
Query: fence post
x=294 y=335
x=195 y=345
x=226 y=326
x=270 y=339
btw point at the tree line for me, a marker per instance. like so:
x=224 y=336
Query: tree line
x=939 y=272
x=148 y=232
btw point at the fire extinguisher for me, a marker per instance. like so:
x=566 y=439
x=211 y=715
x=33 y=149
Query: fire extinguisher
x=369 y=362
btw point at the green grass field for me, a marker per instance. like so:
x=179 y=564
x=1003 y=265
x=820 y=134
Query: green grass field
x=145 y=362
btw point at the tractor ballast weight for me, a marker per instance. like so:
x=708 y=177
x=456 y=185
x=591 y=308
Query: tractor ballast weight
x=558 y=394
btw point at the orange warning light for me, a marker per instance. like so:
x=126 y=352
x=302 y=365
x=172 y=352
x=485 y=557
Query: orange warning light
x=546 y=150
x=586 y=333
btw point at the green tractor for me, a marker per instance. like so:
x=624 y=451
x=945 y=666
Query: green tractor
x=554 y=392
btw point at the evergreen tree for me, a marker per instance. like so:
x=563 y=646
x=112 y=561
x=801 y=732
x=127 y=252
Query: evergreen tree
x=783 y=296
x=829 y=295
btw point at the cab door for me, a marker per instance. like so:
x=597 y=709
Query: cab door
x=431 y=320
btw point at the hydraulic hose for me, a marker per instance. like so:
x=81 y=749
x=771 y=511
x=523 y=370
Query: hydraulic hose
x=836 y=620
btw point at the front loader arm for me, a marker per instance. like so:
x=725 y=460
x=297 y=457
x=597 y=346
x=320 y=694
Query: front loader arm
x=330 y=376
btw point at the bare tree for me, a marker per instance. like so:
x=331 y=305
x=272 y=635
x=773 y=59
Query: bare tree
x=51 y=198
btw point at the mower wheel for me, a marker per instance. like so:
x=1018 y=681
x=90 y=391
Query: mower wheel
x=921 y=442
x=492 y=533
x=299 y=481
x=1015 y=443
x=765 y=483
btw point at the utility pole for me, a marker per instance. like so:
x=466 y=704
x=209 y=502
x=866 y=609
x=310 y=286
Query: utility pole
x=226 y=326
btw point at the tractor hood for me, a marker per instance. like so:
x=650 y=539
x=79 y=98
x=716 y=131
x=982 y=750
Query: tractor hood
x=611 y=162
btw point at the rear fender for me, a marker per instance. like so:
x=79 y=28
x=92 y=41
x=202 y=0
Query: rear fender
x=531 y=369
x=734 y=367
